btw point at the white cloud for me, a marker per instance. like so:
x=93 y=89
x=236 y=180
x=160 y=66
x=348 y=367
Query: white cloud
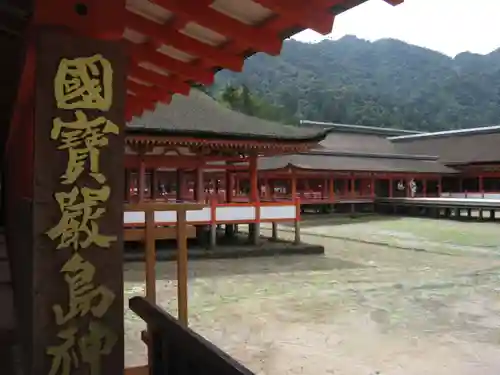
x=448 y=26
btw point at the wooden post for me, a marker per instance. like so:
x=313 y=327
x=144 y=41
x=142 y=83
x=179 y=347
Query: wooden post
x=141 y=181
x=325 y=190
x=150 y=234
x=272 y=187
x=213 y=223
x=229 y=186
x=126 y=185
x=154 y=184
x=150 y=255
x=331 y=193
x=180 y=185
x=297 y=222
x=267 y=187
x=254 y=188
x=254 y=233
x=199 y=186
x=182 y=267
x=65 y=218
x=293 y=187
x=274 y=231
x=237 y=185
x=150 y=263
x=199 y=196
x=229 y=228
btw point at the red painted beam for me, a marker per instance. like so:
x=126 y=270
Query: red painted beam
x=257 y=38
x=135 y=106
x=149 y=93
x=167 y=35
x=140 y=104
x=303 y=13
x=189 y=71
x=169 y=83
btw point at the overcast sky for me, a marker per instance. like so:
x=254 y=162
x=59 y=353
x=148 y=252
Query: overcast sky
x=448 y=26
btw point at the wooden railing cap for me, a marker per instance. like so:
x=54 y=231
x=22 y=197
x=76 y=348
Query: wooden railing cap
x=163 y=206
x=201 y=351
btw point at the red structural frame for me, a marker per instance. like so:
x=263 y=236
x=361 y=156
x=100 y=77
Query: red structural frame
x=92 y=19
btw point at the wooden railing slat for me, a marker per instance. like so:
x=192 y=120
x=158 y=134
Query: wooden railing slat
x=201 y=355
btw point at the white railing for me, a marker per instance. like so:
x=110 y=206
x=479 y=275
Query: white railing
x=475 y=195
x=224 y=213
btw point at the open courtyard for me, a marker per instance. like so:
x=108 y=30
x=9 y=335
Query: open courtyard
x=391 y=296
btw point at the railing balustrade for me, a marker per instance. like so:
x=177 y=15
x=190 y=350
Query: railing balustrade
x=178 y=350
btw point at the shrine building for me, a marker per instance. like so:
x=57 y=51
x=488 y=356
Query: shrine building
x=74 y=73
x=197 y=150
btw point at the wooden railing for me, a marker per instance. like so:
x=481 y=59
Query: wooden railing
x=177 y=350
x=150 y=233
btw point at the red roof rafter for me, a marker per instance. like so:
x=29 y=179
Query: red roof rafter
x=176 y=43
x=167 y=35
x=150 y=93
x=247 y=36
x=169 y=83
x=143 y=53
x=302 y=11
x=188 y=40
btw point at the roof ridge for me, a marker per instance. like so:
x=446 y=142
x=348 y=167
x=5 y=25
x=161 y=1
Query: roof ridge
x=327 y=152
x=363 y=129
x=449 y=133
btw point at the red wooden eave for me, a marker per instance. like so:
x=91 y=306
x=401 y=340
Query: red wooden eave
x=175 y=43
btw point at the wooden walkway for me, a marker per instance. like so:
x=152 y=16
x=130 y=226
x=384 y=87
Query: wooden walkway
x=485 y=204
x=453 y=208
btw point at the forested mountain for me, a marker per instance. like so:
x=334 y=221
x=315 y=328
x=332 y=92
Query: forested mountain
x=383 y=83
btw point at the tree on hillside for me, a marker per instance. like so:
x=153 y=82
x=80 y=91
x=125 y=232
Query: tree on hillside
x=382 y=83
x=241 y=99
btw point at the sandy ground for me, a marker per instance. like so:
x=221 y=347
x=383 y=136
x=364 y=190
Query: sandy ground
x=390 y=297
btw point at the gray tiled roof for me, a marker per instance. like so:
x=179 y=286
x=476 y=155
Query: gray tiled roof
x=343 y=151
x=464 y=147
x=353 y=163
x=352 y=142
x=200 y=115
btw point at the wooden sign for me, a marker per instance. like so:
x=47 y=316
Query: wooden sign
x=78 y=199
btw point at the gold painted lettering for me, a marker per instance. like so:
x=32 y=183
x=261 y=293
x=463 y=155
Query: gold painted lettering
x=92 y=346
x=84 y=82
x=84 y=296
x=79 y=215
x=65 y=356
x=83 y=139
x=98 y=342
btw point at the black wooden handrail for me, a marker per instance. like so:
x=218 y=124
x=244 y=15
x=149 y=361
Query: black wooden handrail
x=178 y=350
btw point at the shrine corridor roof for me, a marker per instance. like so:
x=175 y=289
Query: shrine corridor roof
x=465 y=146
x=200 y=115
x=344 y=151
